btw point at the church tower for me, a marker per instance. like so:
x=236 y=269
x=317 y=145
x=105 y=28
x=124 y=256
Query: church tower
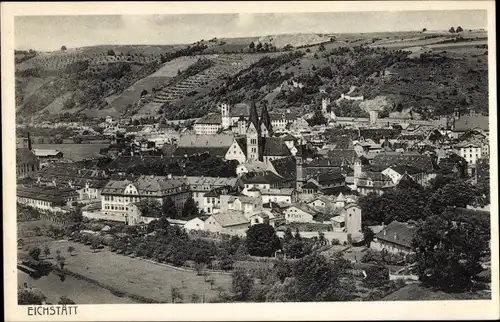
x=299 y=168
x=253 y=135
x=265 y=122
x=242 y=125
x=226 y=115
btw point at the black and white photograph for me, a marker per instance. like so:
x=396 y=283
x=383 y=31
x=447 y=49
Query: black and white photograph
x=328 y=156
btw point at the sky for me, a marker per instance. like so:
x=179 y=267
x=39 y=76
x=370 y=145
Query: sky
x=51 y=32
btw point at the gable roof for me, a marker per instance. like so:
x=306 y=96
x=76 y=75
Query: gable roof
x=188 y=151
x=402 y=169
x=383 y=160
x=272 y=146
x=285 y=167
x=398 y=233
x=469 y=122
x=211 y=118
x=228 y=220
x=240 y=109
x=213 y=141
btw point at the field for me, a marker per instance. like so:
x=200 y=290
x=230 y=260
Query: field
x=127 y=274
x=416 y=292
x=74 y=152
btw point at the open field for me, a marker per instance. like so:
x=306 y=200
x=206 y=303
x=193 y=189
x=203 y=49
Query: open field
x=416 y=292
x=74 y=152
x=130 y=275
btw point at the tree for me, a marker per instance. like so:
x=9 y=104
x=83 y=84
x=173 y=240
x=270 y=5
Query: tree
x=454 y=194
x=448 y=253
x=259 y=46
x=317 y=119
x=94 y=245
x=144 y=92
x=168 y=208
x=321 y=47
x=368 y=235
x=288 y=235
x=226 y=263
x=190 y=210
x=63 y=48
x=459 y=29
x=71 y=249
x=65 y=300
x=242 y=284
x=29 y=297
x=424 y=30
x=452 y=30
x=251 y=46
x=262 y=240
x=46 y=251
x=318 y=279
x=150 y=208
x=176 y=294
x=195 y=298
x=111 y=52
x=35 y=253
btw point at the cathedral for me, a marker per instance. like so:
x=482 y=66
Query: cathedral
x=260 y=145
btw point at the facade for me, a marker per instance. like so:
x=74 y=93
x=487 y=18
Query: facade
x=299 y=213
x=473 y=151
x=199 y=186
x=395 y=173
x=117 y=196
x=373 y=182
x=209 y=124
x=226 y=223
x=46 y=198
x=283 y=195
x=194 y=224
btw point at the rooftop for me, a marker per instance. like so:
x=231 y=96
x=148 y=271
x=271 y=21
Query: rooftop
x=398 y=233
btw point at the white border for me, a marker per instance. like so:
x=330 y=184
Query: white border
x=269 y=311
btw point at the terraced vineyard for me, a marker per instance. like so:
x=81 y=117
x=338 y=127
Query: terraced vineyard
x=224 y=65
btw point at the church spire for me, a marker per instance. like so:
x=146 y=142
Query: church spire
x=254 y=117
x=266 y=119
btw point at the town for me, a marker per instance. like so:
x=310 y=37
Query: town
x=238 y=202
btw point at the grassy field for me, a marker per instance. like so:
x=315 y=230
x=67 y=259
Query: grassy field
x=131 y=275
x=416 y=292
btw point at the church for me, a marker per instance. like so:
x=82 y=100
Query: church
x=259 y=143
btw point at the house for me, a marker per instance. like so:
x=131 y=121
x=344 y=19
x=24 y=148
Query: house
x=211 y=199
x=195 y=224
x=246 y=205
x=27 y=164
x=199 y=186
x=299 y=213
x=396 y=172
x=265 y=217
x=373 y=182
x=283 y=195
x=50 y=199
x=208 y=124
x=48 y=154
x=226 y=223
x=263 y=180
x=397 y=237
x=219 y=145
x=472 y=151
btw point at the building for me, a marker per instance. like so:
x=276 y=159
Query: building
x=209 y=124
x=283 y=195
x=199 y=186
x=226 y=223
x=473 y=151
x=397 y=237
x=46 y=198
x=116 y=196
x=211 y=199
x=224 y=146
x=465 y=123
x=372 y=182
x=265 y=217
x=299 y=213
x=396 y=172
x=48 y=154
x=194 y=224
x=27 y=164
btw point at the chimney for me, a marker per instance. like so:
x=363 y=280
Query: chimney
x=395 y=236
x=385 y=232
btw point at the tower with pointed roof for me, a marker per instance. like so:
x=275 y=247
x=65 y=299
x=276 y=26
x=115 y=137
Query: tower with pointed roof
x=253 y=135
x=265 y=122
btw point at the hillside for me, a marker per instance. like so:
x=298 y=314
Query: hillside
x=428 y=73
